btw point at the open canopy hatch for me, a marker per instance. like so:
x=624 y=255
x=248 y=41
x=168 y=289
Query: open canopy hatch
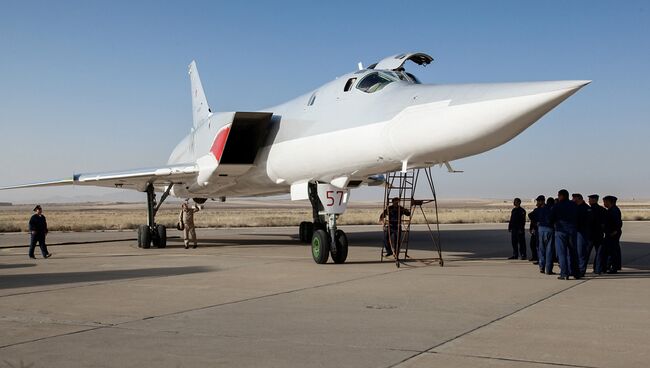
x=397 y=61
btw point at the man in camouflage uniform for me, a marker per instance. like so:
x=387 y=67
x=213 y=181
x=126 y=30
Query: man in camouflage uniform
x=186 y=218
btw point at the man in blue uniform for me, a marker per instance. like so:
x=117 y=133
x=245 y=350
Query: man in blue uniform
x=534 y=228
x=582 y=233
x=613 y=226
x=38 y=231
x=546 y=237
x=563 y=217
x=393 y=232
x=596 y=222
x=517 y=229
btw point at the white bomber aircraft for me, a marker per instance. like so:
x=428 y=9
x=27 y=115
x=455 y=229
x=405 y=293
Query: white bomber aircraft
x=343 y=134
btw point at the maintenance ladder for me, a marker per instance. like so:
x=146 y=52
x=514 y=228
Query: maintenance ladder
x=403 y=185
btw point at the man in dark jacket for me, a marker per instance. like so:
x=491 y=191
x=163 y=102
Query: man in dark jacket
x=517 y=229
x=534 y=230
x=393 y=231
x=563 y=218
x=582 y=233
x=596 y=223
x=38 y=231
x=613 y=226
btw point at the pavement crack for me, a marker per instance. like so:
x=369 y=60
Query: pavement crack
x=429 y=350
x=515 y=360
x=51 y=337
x=259 y=297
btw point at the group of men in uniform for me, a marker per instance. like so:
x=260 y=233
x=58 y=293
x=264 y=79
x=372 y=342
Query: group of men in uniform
x=567 y=230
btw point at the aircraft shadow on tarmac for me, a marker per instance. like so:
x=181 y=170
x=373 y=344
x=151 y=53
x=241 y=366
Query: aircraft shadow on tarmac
x=467 y=244
x=46 y=279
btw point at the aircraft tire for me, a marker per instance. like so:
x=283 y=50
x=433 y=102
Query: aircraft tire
x=320 y=244
x=341 y=247
x=139 y=236
x=309 y=231
x=301 y=232
x=145 y=236
x=162 y=236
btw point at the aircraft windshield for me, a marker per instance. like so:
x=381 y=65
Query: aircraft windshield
x=375 y=81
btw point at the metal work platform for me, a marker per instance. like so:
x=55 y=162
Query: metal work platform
x=397 y=218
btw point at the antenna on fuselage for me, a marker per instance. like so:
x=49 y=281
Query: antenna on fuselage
x=360 y=66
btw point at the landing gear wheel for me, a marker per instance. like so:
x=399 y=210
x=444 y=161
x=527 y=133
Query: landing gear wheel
x=140 y=231
x=301 y=232
x=341 y=253
x=309 y=232
x=162 y=236
x=320 y=245
x=306 y=231
x=145 y=236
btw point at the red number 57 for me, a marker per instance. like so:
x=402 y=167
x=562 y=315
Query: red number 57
x=331 y=194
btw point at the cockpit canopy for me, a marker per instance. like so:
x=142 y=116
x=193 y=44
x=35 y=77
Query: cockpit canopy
x=388 y=70
x=376 y=80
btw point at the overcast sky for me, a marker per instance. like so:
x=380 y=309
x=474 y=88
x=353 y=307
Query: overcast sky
x=95 y=86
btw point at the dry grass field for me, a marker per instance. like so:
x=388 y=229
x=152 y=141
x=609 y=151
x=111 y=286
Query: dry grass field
x=243 y=213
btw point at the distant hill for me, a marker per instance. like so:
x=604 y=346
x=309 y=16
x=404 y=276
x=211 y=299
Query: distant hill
x=5 y=203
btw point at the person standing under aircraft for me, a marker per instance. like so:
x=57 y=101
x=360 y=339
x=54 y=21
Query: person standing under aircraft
x=186 y=218
x=517 y=229
x=563 y=218
x=596 y=222
x=38 y=231
x=534 y=230
x=393 y=232
x=546 y=237
x=613 y=230
x=582 y=233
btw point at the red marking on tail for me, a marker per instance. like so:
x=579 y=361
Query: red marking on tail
x=220 y=142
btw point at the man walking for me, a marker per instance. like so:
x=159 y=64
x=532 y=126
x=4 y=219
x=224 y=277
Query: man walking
x=596 y=223
x=517 y=229
x=563 y=217
x=613 y=229
x=38 y=231
x=186 y=218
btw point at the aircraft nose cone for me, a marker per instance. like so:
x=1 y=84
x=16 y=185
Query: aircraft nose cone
x=475 y=118
x=506 y=117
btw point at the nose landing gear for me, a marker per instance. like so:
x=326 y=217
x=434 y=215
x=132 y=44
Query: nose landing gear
x=328 y=202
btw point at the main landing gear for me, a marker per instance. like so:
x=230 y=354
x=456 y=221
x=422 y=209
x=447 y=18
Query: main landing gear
x=151 y=233
x=323 y=234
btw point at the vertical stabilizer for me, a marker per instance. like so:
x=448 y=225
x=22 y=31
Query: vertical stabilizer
x=200 y=109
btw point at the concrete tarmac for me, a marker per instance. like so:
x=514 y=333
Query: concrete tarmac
x=254 y=298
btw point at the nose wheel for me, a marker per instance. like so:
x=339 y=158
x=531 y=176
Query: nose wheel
x=322 y=246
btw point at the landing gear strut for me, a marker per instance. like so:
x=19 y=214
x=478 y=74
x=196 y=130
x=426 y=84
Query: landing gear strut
x=151 y=233
x=323 y=234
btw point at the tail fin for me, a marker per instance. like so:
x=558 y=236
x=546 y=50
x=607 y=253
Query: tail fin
x=200 y=108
